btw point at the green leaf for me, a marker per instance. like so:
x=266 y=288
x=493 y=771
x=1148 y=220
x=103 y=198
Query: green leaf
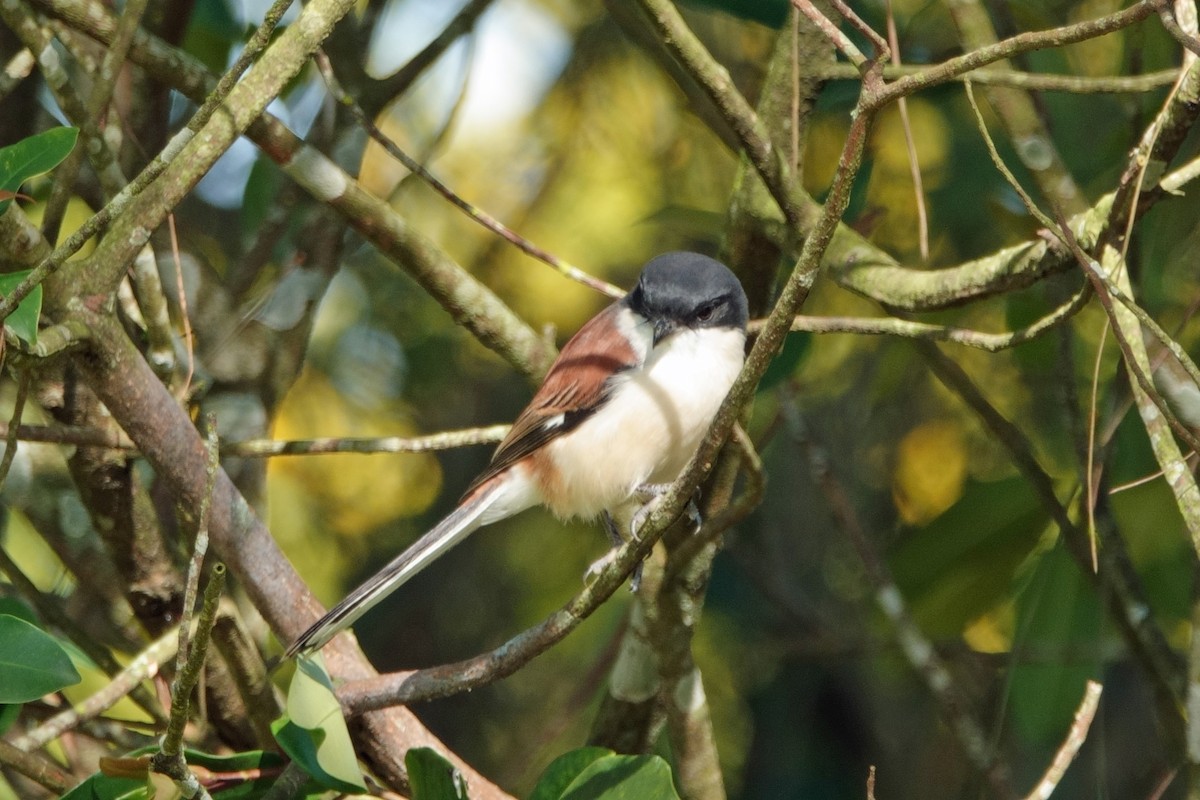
x=623 y=778
x=16 y=608
x=313 y=732
x=565 y=769
x=8 y=715
x=433 y=777
x=104 y=787
x=31 y=157
x=250 y=762
x=1060 y=622
x=23 y=321
x=32 y=664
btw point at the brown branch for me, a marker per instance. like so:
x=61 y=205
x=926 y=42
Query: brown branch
x=1030 y=81
x=1015 y=45
x=168 y=440
x=1189 y=40
x=37 y=768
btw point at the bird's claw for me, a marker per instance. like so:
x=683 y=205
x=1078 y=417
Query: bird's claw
x=650 y=495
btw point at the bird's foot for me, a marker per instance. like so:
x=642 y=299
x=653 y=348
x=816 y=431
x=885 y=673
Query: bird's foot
x=650 y=496
x=616 y=540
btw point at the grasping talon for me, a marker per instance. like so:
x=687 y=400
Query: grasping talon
x=600 y=564
x=650 y=495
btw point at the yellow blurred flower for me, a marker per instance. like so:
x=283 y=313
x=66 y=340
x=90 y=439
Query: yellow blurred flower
x=931 y=465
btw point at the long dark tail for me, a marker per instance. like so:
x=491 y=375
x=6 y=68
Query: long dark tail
x=450 y=531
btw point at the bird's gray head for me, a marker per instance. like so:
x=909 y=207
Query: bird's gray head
x=688 y=290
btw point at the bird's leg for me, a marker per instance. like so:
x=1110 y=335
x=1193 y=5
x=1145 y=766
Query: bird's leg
x=614 y=532
x=616 y=540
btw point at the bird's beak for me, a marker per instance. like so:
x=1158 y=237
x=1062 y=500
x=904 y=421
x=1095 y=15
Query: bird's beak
x=662 y=329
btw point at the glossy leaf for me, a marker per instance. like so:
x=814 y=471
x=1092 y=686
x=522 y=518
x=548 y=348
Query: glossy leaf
x=565 y=769
x=433 y=777
x=618 y=777
x=104 y=787
x=313 y=732
x=31 y=157
x=23 y=321
x=32 y=664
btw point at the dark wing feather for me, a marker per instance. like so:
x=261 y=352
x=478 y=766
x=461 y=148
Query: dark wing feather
x=576 y=387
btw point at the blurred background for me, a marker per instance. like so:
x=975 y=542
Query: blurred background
x=553 y=117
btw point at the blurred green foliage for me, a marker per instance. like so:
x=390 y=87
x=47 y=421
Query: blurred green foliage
x=608 y=166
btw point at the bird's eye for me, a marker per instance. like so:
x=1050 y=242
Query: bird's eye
x=705 y=312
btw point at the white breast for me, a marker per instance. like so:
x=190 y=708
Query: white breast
x=653 y=423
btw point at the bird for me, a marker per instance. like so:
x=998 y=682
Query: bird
x=616 y=420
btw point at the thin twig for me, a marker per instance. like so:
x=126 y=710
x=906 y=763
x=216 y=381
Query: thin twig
x=912 y=329
x=266 y=448
x=200 y=543
x=41 y=770
x=914 y=164
x=1092 y=474
x=1015 y=45
x=184 y=317
x=10 y=438
x=831 y=31
x=1011 y=179
x=473 y=212
x=1030 y=81
x=1070 y=746
x=1188 y=40
x=144 y=666
x=169 y=759
x=858 y=23
x=445 y=440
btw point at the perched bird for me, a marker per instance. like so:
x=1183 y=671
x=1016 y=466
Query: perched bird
x=619 y=415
